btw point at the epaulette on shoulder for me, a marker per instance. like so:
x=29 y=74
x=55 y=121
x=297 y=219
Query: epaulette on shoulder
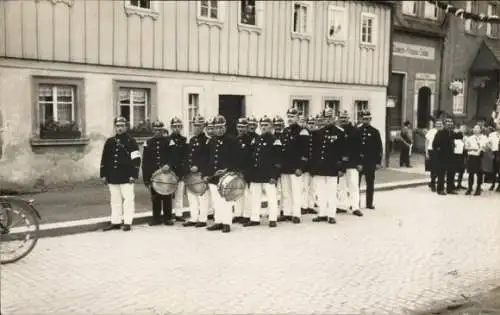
x=277 y=142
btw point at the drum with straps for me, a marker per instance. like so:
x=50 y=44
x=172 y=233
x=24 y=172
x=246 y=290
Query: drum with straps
x=164 y=182
x=195 y=184
x=231 y=186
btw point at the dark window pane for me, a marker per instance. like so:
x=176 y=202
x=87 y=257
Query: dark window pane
x=125 y=112
x=48 y=112
x=146 y=4
x=134 y=2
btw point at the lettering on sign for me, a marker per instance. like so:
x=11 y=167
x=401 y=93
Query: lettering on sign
x=413 y=51
x=425 y=76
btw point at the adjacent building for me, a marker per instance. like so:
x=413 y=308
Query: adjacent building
x=471 y=59
x=68 y=67
x=417 y=62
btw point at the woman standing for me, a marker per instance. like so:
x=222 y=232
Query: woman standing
x=459 y=154
x=475 y=146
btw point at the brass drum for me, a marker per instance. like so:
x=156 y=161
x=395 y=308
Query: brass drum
x=195 y=183
x=231 y=186
x=164 y=182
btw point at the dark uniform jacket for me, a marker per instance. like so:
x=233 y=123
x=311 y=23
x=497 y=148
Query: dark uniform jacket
x=197 y=153
x=243 y=155
x=351 y=157
x=371 y=146
x=264 y=154
x=309 y=144
x=442 y=147
x=329 y=147
x=177 y=148
x=221 y=156
x=154 y=156
x=120 y=159
x=294 y=149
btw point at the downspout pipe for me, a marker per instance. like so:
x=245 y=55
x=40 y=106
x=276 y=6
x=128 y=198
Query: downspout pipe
x=387 y=126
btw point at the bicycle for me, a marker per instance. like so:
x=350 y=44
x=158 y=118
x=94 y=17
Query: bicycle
x=14 y=210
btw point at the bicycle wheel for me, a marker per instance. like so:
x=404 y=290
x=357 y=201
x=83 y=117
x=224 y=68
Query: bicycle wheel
x=19 y=237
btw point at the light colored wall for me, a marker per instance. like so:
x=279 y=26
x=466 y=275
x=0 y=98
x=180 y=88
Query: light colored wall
x=101 y=32
x=23 y=164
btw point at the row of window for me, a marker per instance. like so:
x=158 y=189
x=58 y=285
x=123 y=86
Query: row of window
x=412 y=8
x=250 y=14
x=59 y=108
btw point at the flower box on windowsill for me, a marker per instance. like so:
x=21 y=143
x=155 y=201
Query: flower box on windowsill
x=69 y=134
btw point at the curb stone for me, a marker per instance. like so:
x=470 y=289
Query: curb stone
x=95 y=224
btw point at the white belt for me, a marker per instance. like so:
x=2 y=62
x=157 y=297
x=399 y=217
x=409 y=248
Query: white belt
x=474 y=153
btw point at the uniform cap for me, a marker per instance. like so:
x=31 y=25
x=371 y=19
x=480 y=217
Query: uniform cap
x=266 y=120
x=210 y=122
x=157 y=124
x=328 y=112
x=199 y=120
x=219 y=121
x=252 y=121
x=292 y=112
x=311 y=120
x=176 y=121
x=344 y=114
x=278 y=121
x=120 y=120
x=242 y=122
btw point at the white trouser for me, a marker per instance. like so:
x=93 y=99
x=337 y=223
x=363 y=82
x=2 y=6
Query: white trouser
x=291 y=185
x=210 y=206
x=198 y=206
x=122 y=203
x=223 y=210
x=350 y=183
x=242 y=206
x=178 y=202
x=279 y=189
x=309 y=197
x=326 y=188
x=256 y=200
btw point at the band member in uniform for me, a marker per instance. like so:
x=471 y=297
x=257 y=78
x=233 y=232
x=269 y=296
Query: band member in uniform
x=196 y=161
x=494 y=140
x=326 y=161
x=309 y=197
x=443 y=148
x=120 y=163
x=475 y=146
x=242 y=210
x=155 y=156
x=429 y=154
x=177 y=148
x=294 y=155
x=264 y=172
x=371 y=155
x=210 y=133
x=220 y=160
x=279 y=125
x=252 y=127
x=351 y=162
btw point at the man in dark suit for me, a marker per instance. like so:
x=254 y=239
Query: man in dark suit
x=443 y=148
x=370 y=155
x=120 y=163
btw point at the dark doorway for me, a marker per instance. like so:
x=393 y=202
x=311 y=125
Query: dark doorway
x=423 y=107
x=396 y=86
x=232 y=107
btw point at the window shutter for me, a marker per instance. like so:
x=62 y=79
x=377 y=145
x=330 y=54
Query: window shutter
x=259 y=13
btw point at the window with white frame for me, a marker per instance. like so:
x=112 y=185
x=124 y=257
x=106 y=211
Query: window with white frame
x=143 y=4
x=193 y=110
x=209 y=9
x=468 y=22
x=134 y=105
x=431 y=11
x=410 y=7
x=337 y=23
x=359 y=107
x=248 y=12
x=334 y=104
x=491 y=28
x=459 y=104
x=367 y=29
x=302 y=106
x=56 y=103
x=300 y=18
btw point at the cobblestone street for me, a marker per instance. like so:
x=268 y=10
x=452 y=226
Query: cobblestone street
x=415 y=248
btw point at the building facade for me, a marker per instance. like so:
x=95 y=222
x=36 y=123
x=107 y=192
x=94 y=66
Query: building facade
x=68 y=67
x=471 y=55
x=416 y=64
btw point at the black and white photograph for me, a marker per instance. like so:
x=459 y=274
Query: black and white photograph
x=249 y=157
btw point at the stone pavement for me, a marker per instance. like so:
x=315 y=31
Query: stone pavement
x=90 y=200
x=415 y=248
